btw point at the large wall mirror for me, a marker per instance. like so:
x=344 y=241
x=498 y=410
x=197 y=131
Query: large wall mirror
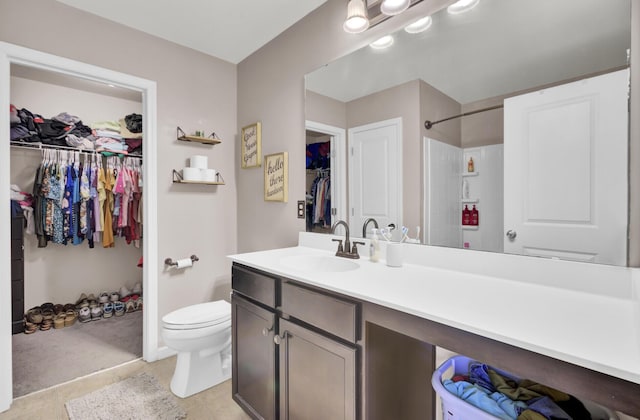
x=528 y=101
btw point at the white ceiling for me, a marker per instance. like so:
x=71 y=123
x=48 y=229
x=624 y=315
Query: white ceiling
x=499 y=47
x=227 y=29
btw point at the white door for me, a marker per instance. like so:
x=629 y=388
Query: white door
x=443 y=166
x=375 y=179
x=565 y=165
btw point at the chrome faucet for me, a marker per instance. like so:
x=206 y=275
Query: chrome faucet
x=346 y=251
x=366 y=223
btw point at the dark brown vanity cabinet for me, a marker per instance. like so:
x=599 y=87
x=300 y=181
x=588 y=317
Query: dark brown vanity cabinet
x=294 y=349
x=317 y=375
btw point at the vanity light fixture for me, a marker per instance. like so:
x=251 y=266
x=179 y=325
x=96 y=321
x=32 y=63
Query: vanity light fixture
x=419 y=25
x=462 y=6
x=357 y=20
x=394 y=7
x=382 y=43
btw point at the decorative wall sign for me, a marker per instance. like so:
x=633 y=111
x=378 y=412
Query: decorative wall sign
x=251 y=146
x=276 y=177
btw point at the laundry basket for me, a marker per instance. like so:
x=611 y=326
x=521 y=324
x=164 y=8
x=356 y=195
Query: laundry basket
x=453 y=408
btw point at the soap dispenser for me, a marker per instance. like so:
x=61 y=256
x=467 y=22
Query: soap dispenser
x=474 y=216
x=374 y=247
x=466 y=216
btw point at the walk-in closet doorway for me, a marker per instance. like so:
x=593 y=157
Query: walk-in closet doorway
x=23 y=57
x=325 y=163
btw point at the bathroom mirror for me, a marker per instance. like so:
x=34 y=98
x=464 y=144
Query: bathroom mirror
x=466 y=63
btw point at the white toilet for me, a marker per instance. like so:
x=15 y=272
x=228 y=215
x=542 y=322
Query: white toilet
x=201 y=334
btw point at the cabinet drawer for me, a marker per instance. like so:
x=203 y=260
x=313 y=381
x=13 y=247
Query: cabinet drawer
x=255 y=285
x=333 y=314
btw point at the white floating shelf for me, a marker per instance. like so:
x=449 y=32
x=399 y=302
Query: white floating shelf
x=470 y=173
x=470 y=227
x=470 y=200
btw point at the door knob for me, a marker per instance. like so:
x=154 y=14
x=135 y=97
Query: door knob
x=511 y=234
x=265 y=331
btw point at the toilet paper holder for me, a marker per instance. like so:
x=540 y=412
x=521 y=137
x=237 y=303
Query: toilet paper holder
x=169 y=261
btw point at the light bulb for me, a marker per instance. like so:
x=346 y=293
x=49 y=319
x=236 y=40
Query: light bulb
x=357 y=20
x=462 y=6
x=419 y=25
x=394 y=7
x=381 y=43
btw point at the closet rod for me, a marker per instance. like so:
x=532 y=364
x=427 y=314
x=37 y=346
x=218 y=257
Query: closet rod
x=428 y=124
x=40 y=146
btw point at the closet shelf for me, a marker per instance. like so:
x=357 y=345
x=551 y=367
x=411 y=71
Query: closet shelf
x=470 y=200
x=470 y=227
x=470 y=173
x=177 y=179
x=41 y=146
x=212 y=139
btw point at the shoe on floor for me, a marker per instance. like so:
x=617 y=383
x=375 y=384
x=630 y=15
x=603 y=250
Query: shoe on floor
x=124 y=292
x=130 y=306
x=70 y=317
x=58 y=321
x=137 y=289
x=104 y=297
x=107 y=308
x=114 y=297
x=84 y=315
x=96 y=313
x=118 y=308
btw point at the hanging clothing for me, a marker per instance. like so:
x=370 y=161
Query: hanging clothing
x=321 y=199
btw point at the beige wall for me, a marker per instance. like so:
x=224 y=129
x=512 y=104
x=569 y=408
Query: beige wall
x=322 y=109
x=399 y=101
x=271 y=90
x=195 y=92
x=435 y=106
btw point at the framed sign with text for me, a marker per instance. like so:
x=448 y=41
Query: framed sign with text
x=251 y=146
x=276 y=177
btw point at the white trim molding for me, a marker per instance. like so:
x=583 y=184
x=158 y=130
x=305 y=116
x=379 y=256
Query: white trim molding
x=13 y=54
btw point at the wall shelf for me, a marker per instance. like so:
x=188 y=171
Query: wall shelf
x=470 y=173
x=470 y=200
x=470 y=227
x=177 y=179
x=212 y=139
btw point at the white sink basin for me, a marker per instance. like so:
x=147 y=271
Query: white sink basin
x=318 y=263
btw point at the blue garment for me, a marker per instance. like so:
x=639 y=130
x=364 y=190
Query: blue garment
x=480 y=398
x=479 y=375
x=548 y=408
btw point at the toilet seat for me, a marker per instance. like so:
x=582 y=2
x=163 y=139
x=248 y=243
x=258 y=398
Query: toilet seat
x=198 y=316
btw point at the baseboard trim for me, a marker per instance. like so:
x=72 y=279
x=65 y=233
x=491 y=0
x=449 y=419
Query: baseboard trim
x=164 y=352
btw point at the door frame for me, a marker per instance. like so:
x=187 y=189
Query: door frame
x=397 y=123
x=13 y=54
x=338 y=165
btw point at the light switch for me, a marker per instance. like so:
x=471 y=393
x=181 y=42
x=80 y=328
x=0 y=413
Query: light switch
x=301 y=205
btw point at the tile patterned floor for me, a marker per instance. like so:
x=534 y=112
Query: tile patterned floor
x=212 y=404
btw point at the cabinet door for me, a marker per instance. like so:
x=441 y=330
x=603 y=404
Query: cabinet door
x=254 y=358
x=317 y=376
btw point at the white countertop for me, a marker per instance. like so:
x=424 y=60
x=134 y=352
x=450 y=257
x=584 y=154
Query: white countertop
x=600 y=332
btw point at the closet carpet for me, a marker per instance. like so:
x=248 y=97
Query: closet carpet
x=48 y=358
